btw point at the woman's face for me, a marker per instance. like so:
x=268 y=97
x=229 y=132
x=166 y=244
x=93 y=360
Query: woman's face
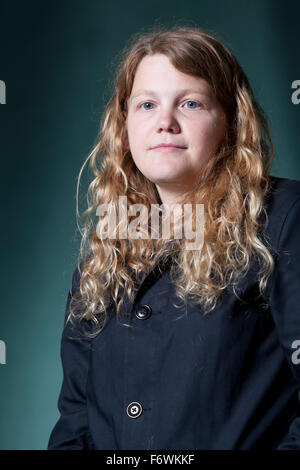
x=169 y=107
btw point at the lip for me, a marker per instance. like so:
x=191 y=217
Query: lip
x=167 y=147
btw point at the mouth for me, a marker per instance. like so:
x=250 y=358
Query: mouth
x=168 y=148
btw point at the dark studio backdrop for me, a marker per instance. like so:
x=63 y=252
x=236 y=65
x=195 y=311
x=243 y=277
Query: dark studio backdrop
x=56 y=63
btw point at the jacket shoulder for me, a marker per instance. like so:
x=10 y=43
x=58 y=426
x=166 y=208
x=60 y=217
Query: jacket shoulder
x=281 y=197
x=283 y=191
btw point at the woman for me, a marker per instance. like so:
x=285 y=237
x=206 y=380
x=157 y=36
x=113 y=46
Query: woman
x=164 y=346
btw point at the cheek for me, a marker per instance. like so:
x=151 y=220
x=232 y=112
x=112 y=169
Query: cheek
x=137 y=134
x=208 y=133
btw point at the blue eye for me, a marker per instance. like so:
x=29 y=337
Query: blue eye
x=147 y=108
x=193 y=102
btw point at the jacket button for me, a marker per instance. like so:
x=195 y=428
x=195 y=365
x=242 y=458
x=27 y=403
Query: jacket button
x=143 y=312
x=134 y=409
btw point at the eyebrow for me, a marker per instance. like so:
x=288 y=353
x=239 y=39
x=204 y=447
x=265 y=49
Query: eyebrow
x=181 y=93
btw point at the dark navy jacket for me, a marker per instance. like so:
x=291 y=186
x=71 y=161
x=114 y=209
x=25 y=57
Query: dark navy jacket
x=182 y=380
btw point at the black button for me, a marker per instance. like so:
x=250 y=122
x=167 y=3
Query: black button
x=143 y=312
x=134 y=409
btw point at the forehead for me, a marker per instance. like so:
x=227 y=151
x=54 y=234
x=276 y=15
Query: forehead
x=156 y=72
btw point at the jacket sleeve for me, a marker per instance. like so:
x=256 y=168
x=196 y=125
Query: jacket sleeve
x=71 y=431
x=285 y=305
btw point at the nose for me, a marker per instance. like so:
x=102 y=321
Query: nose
x=167 y=122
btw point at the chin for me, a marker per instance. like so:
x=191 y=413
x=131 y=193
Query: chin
x=161 y=176
x=164 y=178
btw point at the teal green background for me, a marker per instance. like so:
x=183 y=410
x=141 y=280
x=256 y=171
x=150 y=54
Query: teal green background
x=57 y=59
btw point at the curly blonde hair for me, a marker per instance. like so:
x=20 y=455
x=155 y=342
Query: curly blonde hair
x=232 y=188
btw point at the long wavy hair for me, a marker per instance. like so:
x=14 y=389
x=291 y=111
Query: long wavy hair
x=232 y=188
